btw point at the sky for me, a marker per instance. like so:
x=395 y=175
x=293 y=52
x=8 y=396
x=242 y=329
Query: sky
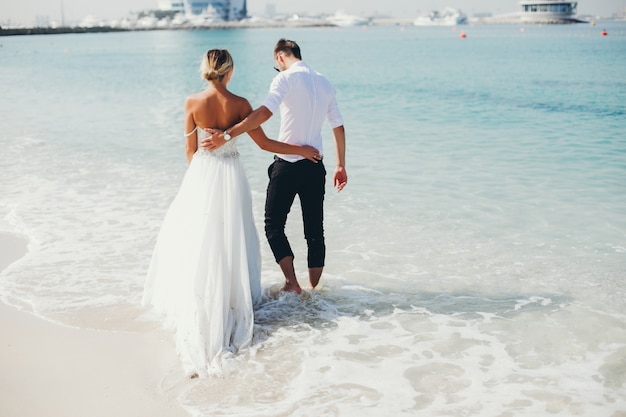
x=27 y=12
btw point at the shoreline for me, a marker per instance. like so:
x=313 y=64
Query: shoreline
x=487 y=21
x=106 y=29
x=50 y=369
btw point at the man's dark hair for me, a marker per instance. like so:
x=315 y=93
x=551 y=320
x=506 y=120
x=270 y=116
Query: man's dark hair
x=288 y=48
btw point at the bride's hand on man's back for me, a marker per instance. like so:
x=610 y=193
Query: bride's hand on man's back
x=310 y=153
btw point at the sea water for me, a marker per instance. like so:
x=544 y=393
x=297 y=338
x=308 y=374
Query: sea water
x=476 y=260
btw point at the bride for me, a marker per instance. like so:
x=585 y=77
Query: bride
x=205 y=274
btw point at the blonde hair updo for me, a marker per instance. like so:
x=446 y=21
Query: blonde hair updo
x=216 y=64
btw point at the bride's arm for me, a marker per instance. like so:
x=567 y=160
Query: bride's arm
x=271 y=145
x=191 y=135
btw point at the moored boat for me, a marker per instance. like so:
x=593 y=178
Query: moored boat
x=446 y=17
x=343 y=19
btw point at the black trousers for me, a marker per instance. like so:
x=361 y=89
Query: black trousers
x=286 y=180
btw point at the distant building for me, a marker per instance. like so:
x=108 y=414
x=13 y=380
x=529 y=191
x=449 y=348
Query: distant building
x=548 y=11
x=223 y=9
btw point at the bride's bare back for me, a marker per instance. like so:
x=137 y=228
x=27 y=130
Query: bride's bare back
x=217 y=108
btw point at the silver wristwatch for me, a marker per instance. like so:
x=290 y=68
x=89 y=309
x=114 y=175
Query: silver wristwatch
x=227 y=136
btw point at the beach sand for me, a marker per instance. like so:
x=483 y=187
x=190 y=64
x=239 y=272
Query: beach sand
x=53 y=370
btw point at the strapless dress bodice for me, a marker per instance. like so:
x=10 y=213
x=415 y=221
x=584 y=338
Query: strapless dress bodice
x=228 y=150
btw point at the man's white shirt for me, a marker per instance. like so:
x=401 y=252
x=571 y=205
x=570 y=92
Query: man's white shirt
x=305 y=99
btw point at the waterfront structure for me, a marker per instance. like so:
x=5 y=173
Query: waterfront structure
x=220 y=9
x=548 y=11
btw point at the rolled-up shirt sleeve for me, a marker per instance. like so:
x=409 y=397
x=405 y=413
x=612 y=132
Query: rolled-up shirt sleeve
x=334 y=116
x=276 y=94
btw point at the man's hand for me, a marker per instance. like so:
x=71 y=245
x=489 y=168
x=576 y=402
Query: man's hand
x=214 y=141
x=341 y=178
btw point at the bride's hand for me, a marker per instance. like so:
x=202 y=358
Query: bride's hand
x=310 y=153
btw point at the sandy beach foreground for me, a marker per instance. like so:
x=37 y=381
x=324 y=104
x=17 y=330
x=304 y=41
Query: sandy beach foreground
x=53 y=370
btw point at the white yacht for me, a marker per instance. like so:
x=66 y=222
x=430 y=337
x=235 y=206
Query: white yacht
x=446 y=17
x=343 y=19
x=548 y=11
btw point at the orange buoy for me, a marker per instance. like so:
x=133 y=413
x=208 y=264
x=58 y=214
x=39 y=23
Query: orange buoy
x=604 y=33
x=463 y=35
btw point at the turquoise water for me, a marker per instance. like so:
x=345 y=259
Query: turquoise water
x=477 y=257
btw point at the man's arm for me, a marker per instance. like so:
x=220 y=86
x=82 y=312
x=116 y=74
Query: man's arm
x=250 y=122
x=340 y=178
x=271 y=145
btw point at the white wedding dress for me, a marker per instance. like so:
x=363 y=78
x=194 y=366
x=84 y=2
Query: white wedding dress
x=204 y=276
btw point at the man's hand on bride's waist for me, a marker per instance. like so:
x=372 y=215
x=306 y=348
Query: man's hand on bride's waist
x=214 y=140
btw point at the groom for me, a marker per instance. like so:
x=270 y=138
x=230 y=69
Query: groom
x=305 y=99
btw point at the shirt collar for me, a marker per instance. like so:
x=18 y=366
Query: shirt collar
x=298 y=64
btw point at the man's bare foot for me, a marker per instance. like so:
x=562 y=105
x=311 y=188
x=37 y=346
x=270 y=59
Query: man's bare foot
x=292 y=287
x=291 y=282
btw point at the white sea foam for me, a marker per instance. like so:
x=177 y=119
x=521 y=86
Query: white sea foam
x=339 y=352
